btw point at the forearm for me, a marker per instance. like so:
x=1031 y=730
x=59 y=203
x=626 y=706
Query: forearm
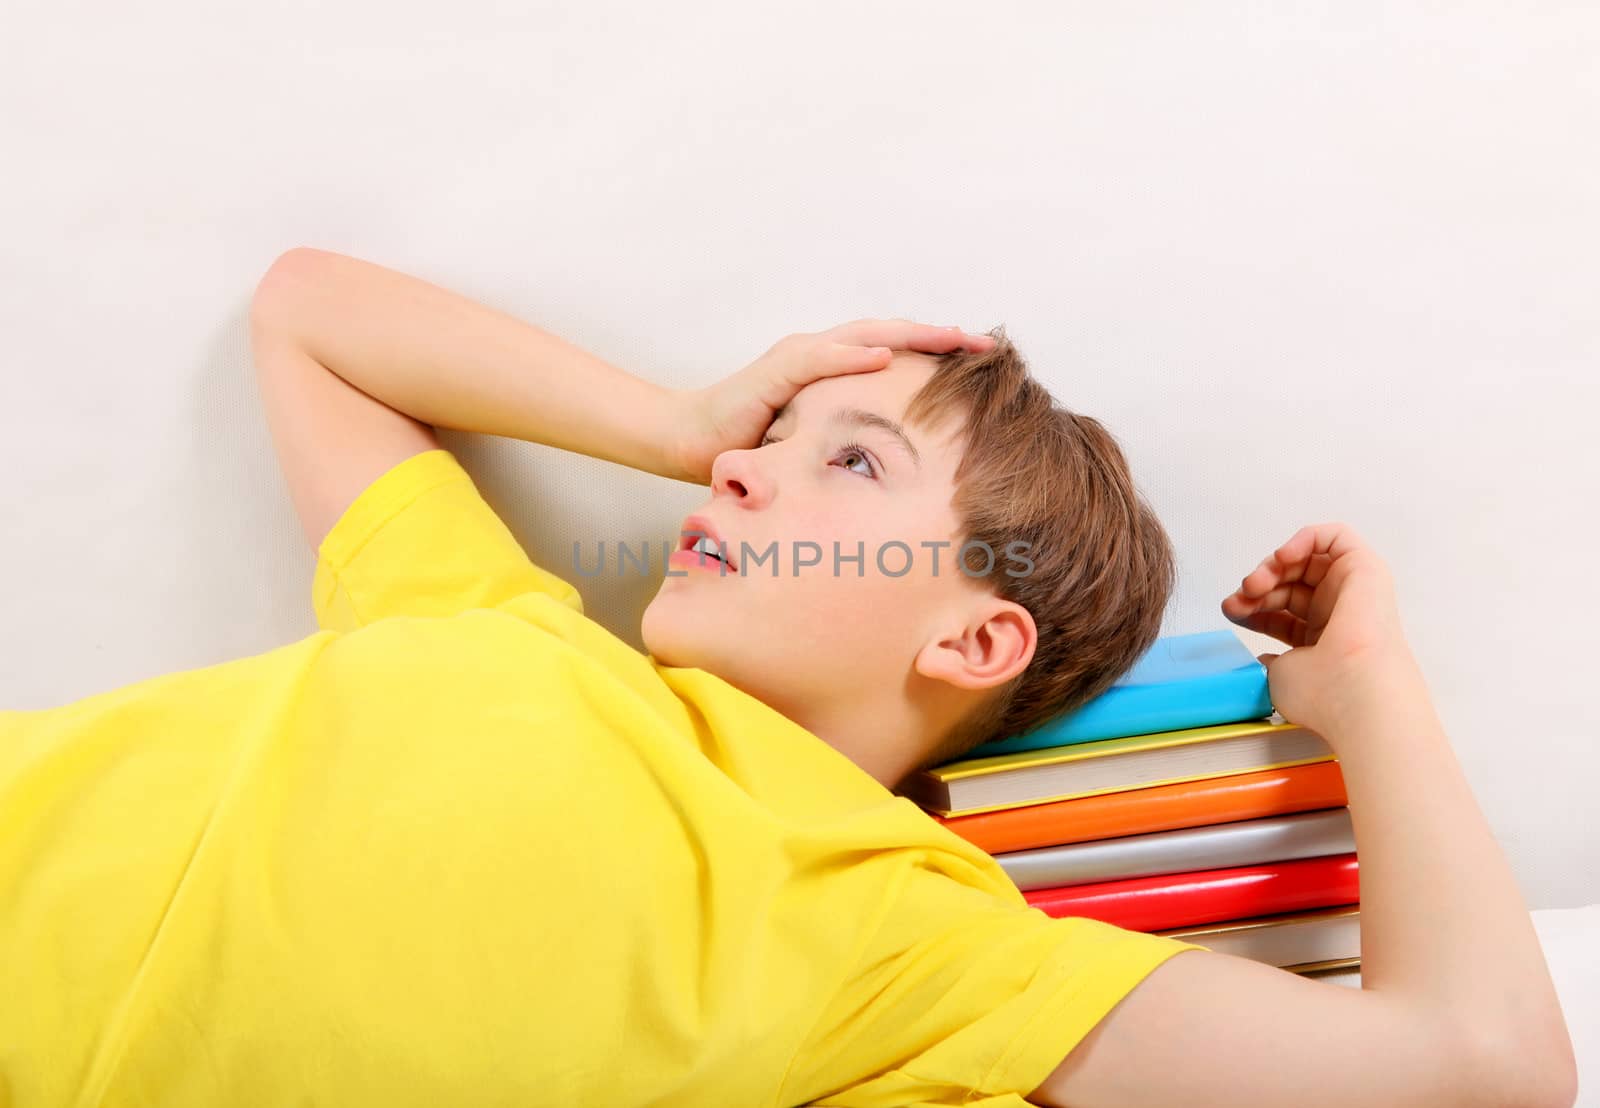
x=1444 y=927
x=449 y=361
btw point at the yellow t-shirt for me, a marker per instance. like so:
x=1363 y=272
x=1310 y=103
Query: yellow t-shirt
x=462 y=845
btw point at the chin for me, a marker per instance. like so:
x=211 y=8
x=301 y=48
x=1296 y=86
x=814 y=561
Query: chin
x=670 y=638
x=681 y=643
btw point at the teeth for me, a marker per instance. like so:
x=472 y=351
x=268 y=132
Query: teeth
x=706 y=546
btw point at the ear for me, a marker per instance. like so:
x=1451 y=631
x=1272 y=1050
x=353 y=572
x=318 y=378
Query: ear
x=993 y=646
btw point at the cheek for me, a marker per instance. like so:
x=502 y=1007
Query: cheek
x=866 y=617
x=799 y=617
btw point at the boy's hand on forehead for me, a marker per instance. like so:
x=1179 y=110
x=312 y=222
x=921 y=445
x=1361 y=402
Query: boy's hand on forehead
x=734 y=413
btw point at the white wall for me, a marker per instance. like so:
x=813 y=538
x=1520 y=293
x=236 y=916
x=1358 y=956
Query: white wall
x=1308 y=262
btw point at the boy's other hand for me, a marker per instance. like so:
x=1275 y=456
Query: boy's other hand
x=734 y=413
x=1328 y=595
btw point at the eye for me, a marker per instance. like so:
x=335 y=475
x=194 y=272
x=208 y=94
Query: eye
x=852 y=450
x=848 y=450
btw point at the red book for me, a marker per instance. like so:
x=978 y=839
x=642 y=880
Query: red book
x=1208 y=895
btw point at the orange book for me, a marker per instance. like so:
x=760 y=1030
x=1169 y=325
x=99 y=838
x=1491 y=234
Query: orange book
x=1241 y=796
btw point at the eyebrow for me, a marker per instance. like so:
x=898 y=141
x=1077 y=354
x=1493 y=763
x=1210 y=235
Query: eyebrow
x=860 y=417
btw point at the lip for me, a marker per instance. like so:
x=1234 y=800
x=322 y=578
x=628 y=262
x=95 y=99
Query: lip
x=698 y=525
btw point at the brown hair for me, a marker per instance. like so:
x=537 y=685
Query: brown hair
x=1103 y=566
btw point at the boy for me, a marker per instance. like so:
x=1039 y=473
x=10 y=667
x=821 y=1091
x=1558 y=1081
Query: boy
x=464 y=846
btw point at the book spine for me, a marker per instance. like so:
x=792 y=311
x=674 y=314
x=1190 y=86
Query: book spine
x=1232 y=697
x=1242 y=843
x=1208 y=896
x=1211 y=800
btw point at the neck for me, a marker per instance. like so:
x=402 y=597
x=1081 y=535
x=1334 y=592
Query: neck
x=888 y=737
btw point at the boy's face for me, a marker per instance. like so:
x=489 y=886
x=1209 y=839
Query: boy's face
x=843 y=632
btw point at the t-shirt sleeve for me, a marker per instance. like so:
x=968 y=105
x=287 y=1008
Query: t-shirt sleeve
x=421 y=541
x=966 y=999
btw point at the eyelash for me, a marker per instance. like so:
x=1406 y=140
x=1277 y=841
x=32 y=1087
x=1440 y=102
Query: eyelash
x=845 y=450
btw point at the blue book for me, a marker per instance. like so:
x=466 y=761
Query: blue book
x=1181 y=681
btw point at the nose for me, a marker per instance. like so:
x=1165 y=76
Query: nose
x=737 y=474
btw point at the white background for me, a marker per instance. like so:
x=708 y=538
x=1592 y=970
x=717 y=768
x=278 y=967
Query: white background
x=1308 y=262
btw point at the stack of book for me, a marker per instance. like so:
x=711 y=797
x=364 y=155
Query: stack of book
x=1177 y=803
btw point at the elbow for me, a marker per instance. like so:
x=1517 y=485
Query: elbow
x=1561 y=1078
x=285 y=272
x=1524 y=1076
x=1549 y=1065
x=296 y=254
x=1555 y=1086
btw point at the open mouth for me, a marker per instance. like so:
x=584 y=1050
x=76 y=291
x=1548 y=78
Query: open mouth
x=703 y=551
x=699 y=545
x=709 y=547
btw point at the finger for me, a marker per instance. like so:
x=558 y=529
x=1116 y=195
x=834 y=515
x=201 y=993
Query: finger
x=839 y=357
x=812 y=363
x=904 y=334
x=1274 y=581
x=1330 y=541
x=1285 y=626
x=1278 y=568
x=1260 y=612
x=1294 y=596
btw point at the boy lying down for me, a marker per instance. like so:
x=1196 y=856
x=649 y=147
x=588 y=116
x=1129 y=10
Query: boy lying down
x=463 y=846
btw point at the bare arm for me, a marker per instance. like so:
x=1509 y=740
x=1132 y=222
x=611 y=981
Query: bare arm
x=445 y=360
x=1456 y=1005
x=358 y=364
